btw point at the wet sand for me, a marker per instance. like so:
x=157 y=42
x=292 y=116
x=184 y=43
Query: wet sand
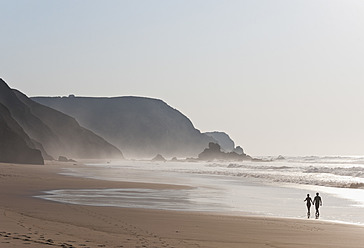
x=26 y=221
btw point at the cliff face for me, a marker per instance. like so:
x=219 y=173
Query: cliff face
x=140 y=127
x=57 y=133
x=15 y=144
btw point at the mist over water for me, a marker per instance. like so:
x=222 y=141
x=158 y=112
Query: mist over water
x=275 y=188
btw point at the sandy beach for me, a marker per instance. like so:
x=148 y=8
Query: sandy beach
x=26 y=221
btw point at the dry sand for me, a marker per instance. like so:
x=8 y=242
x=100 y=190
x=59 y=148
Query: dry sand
x=26 y=221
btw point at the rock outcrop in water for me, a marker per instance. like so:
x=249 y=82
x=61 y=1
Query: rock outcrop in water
x=159 y=158
x=225 y=142
x=239 y=150
x=223 y=139
x=52 y=132
x=141 y=127
x=65 y=159
x=213 y=152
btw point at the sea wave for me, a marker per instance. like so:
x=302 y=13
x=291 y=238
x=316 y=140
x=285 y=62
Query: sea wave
x=329 y=181
x=351 y=171
x=260 y=167
x=327 y=160
x=297 y=173
x=341 y=172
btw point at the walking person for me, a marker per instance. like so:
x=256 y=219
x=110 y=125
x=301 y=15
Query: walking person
x=317 y=201
x=308 y=201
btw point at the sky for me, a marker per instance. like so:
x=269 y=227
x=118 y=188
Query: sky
x=281 y=77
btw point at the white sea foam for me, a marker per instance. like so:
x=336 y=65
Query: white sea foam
x=275 y=188
x=333 y=172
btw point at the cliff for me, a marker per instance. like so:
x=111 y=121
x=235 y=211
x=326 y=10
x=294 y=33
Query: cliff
x=15 y=144
x=53 y=132
x=139 y=126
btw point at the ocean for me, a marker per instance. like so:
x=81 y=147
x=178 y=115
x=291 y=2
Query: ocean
x=275 y=188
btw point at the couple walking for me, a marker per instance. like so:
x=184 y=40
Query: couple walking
x=316 y=201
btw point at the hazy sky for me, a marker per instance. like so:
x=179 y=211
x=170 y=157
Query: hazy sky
x=279 y=76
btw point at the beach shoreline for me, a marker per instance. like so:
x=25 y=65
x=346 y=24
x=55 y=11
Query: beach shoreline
x=32 y=222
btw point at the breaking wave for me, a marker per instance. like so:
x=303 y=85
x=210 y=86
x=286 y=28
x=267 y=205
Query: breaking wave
x=342 y=172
